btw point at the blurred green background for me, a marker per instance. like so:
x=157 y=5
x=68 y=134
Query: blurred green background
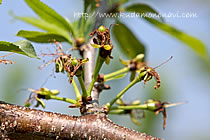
x=184 y=79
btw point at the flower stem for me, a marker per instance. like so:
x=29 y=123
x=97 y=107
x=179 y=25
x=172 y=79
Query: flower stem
x=113 y=74
x=121 y=93
x=117 y=111
x=82 y=85
x=72 y=101
x=136 y=80
x=130 y=107
x=76 y=89
x=99 y=63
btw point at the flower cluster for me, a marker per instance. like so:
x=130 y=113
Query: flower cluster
x=102 y=40
x=64 y=62
x=71 y=65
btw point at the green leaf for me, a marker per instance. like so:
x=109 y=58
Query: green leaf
x=89 y=5
x=143 y=9
x=192 y=42
x=49 y=15
x=86 y=4
x=127 y=41
x=23 y=47
x=42 y=24
x=41 y=37
x=46 y=26
x=0 y=1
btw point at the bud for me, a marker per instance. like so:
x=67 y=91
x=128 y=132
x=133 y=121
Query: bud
x=139 y=57
x=136 y=102
x=101 y=29
x=54 y=92
x=40 y=102
x=74 y=62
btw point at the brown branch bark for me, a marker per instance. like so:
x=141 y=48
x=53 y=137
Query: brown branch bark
x=25 y=123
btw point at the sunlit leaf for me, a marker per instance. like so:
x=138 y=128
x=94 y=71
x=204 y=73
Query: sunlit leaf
x=89 y=26
x=23 y=47
x=48 y=14
x=86 y=4
x=42 y=24
x=89 y=5
x=143 y=10
x=41 y=37
x=122 y=1
x=192 y=42
x=127 y=41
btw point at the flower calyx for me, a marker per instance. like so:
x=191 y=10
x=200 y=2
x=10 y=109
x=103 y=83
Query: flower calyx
x=42 y=93
x=147 y=73
x=134 y=64
x=71 y=65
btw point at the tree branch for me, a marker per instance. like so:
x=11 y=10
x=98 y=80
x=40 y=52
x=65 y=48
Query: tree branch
x=25 y=123
x=89 y=52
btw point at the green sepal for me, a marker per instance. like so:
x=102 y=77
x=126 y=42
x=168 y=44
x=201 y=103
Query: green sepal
x=27 y=104
x=95 y=45
x=136 y=102
x=107 y=60
x=59 y=66
x=133 y=75
x=54 y=92
x=85 y=60
x=139 y=57
x=40 y=102
x=125 y=63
